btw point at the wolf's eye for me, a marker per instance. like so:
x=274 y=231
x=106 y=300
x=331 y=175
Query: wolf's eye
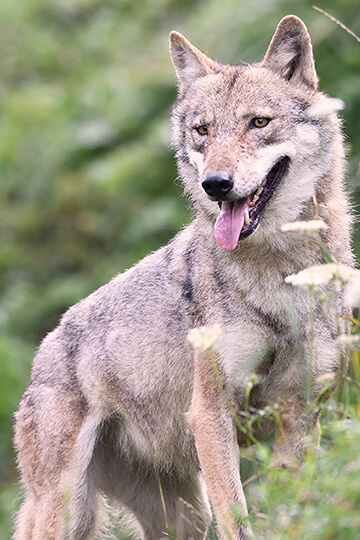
x=202 y=130
x=260 y=122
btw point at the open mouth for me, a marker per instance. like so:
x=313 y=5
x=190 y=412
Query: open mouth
x=238 y=219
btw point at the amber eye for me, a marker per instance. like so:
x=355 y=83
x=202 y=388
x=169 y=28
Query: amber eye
x=202 y=130
x=260 y=122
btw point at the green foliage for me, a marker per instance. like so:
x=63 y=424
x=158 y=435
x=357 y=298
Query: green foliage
x=87 y=174
x=321 y=500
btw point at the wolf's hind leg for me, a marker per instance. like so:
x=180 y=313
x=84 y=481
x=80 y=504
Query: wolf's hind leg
x=183 y=513
x=40 y=518
x=291 y=433
x=24 y=524
x=162 y=503
x=46 y=426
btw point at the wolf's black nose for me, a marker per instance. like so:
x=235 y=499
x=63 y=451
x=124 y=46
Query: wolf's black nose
x=218 y=184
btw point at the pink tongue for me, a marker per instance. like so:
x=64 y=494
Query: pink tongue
x=230 y=222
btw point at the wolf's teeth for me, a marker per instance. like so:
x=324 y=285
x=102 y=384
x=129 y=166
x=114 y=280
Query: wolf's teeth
x=247 y=217
x=264 y=182
x=257 y=194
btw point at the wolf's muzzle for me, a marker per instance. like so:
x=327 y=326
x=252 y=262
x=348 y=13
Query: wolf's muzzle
x=218 y=184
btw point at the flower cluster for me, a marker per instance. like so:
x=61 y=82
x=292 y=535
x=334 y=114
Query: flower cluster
x=304 y=226
x=352 y=294
x=350 y=341
x=204 y=337
x=322 y=274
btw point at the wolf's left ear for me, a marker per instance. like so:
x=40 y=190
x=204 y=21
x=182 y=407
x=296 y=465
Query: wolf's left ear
x=290 y=52
x=188 y=61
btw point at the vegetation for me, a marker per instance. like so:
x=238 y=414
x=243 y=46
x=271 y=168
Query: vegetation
x=88 y=188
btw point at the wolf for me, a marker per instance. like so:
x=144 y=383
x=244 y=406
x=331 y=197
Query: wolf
x=121 y=408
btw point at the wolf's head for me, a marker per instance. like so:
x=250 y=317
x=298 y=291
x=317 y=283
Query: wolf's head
x=254 y=142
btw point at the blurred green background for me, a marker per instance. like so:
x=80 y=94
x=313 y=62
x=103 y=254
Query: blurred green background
x=88 y=180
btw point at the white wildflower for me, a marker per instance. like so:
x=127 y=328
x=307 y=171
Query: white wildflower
x=327 y=377
x=352 y=294
x=322 y=274
x=346 y=273
x=326 y=106
x=348 y=340
x=304 y=226
x=204 y=337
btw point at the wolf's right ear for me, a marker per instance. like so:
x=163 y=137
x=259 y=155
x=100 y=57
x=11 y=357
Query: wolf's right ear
x=188 y=61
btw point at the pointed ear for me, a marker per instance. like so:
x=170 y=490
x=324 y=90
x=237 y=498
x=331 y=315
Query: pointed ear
x=290 y=52
x=188 y=61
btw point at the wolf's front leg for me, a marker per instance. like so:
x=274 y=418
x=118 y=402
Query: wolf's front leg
x=215 y=439
x=296 y=428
